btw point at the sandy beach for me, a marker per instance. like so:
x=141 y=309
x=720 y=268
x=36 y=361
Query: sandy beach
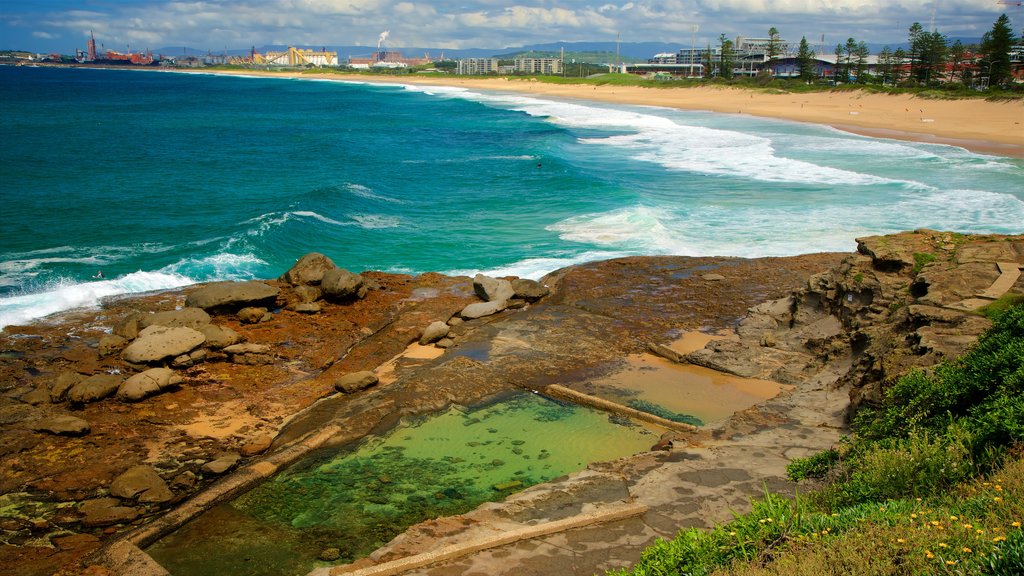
x=977 y=125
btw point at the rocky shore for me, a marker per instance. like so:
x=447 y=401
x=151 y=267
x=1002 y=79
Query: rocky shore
x=110 y=418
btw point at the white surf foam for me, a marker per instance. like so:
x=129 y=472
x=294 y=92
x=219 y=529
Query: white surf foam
x=67 y=295
x=369 y=193
x=376 y=221
x=535 y=268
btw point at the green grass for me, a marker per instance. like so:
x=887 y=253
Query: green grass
x=931 y=482
x=922 y=259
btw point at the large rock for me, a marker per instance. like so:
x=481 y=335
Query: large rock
x=128 y=327
x=481 y=309
x=105 y=512
x=62 y=425
x=340 y=284
x=309 y=269
x=65 y=381
x=219 y=337
x=233 y=295
x=221 y=465
x=307 y=294
x=158 y=342
x=252 y=354
x=187 y=317
x=147 y=383
x=492 y=289
x=529 y=290
x=355 y=382
x=434 y=332
x=252 y=314
x=94 y=388
x=141 y=483
x=111 y=344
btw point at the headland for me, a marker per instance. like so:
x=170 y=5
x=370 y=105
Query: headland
x=123 y=423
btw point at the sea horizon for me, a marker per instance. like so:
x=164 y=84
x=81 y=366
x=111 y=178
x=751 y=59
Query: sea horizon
x=167 y=180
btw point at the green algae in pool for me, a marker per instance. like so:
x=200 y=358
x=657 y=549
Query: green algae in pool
x=357 y=501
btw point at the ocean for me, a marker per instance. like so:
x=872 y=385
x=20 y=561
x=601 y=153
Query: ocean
x=161 y=180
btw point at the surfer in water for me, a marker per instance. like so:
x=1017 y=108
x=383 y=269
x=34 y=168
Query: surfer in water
x=99 y=275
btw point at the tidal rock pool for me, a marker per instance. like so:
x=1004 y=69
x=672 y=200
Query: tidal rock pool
x=357 y=500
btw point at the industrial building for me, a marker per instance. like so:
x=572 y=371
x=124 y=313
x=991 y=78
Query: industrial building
x=298 y=57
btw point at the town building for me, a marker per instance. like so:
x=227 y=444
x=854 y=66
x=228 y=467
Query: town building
x=546 y=66
x=477 y=66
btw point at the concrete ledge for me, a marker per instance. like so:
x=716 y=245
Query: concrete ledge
x=563 y=393
x=454 y=551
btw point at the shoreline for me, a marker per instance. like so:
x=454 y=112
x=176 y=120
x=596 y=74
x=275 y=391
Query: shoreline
x=995 y=128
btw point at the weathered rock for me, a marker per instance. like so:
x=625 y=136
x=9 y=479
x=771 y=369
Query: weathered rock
x=147 y=383
x=249 y=353
x=257 y=445
x=37 y=396
x=233 y=295
x=434 y=332
x=158 y=342
x=128 y=327
x=187 y=317
x=309 y=269
x=481 y=309
x=186 y=481
x=141 y=483
x=219 y=337
x=251 y=314
x=62 y=425
x=94 y=388
x=330 y=554
x=65 y=381
x=713 y=277
x=529 y=290
x=492 y=289
x=455 y=321
x=183 y=361
x=445 y=343
x=308 y=293
x=221 y=464
x=306 y=308
x=106 y=512
x=111 y=344
x=355 y=382
x=340 y=284
x=729 y=356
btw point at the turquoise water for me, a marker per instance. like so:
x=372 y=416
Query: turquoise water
x=357 y=501
x=161 y=180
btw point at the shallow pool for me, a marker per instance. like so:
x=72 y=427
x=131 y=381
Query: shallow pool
x=358 y=500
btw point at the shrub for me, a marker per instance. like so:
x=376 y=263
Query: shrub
x=815 y=466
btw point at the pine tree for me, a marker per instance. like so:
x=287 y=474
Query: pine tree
x=996 y=45
x=725 y=63
x=774 y=47
x=805 y=61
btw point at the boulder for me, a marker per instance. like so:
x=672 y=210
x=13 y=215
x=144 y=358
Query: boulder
x=37 y=396
x=147 y=383
x=434 y=332
x=158 y=342
x=254 y=354
x=62 y=425
x=221 y=464
x=309 y=269
x=308 y=293
x=187 y=317
x=233 y=295
x=105 y=512
x=529 y=290
x=251 y=314
x=65 y=381
x=219 y=337
x=340 y=284
x=94 y=388
x=257 y=445
x=445 y=343
x=492 y=289
x=306 y=308
x=111 y=344
x=355 y=382
x=128 y=327
x=481 y=309
x=141 y=483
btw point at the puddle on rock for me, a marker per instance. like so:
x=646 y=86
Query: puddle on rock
x=680 y=392
x=696 y=340
x=357 y=501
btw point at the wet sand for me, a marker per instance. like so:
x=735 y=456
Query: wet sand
x=977 y=125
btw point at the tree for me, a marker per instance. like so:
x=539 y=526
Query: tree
x=860 y=55
x=726 y=61
x=995 y=46
x=805 y=60
x=899 y=61
x=957 y=61
x=841 y=72
x=886 y=66
x=927 y=54
x=914 y=35
x=774 y=47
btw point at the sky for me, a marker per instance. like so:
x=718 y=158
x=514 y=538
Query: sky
x=62 y=25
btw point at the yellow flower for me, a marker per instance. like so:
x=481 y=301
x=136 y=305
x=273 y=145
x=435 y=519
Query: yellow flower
x=997 y=499
x=953 y=518
x=968 y=526
x=999 y=539
x=928 y=554
x=943 y=545
x=1015 y=524
x=835 y=514
x=914 y=515
x=935 y=522
x=951 y=562
x=979 y=531
x=881 y=509
x=999 y=488
x=901 y=540
x=967 y=550
x=732 y=533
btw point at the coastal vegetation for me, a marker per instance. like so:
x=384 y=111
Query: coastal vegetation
x=931 y=481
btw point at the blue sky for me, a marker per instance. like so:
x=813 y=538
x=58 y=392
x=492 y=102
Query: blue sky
x=62 y=25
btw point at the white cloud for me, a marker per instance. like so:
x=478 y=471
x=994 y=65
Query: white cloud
x=44 y=35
